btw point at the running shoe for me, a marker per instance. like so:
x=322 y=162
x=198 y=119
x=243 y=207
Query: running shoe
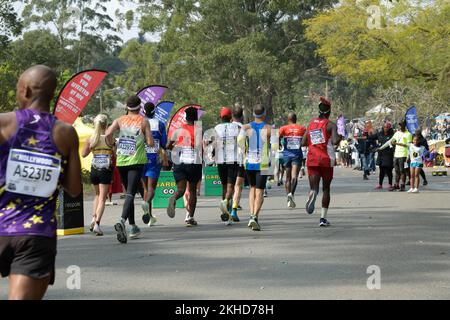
x=379 y=187
x=425 y=183
x=171 y=207
x=396 y=187
x=239 y=208
x=191 y=223
x=391 y=188
x=265 y=193
x=97 y=230
x=91 y=227
x=146 y=216
x=225 y=216
x=323 y=222
x=253 y=223
x=410 y=190
x=310 y=204
x=121 y=231
x=402 y=187
x=234 y=215
x=152 y=221
x=135 y=232
x=290 y=201
x=415 y=190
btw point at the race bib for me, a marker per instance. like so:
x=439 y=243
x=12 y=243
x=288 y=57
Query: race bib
x=230 y=147
x=101 y=161
x=126 y=147
x=188 y=155
x=253 y=157
x=293 y=143
x=32 y=173
x=154 y=149
x=317 y=136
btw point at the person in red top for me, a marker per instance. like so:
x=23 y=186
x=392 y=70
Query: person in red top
x=291 y=136
x=186 y=147
x=321 y=138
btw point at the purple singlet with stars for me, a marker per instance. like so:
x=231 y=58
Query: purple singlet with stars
x=31 y=171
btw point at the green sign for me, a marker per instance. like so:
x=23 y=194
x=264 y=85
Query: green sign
x=213 y=186
x=165 y=188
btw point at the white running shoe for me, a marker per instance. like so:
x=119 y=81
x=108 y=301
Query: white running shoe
x=410 y=190
x=152 y=221
x=415 y=190
x=97 y=230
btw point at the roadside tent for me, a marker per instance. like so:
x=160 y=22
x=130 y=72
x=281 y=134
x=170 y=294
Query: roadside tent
x=84 y=133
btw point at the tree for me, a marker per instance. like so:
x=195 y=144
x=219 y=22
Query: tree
x=407 y=47
x=10 y=25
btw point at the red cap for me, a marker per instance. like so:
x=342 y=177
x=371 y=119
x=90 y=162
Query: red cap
x=325 y=101
x=225 y=112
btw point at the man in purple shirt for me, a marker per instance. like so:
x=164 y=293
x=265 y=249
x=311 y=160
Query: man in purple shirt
x=38 y=155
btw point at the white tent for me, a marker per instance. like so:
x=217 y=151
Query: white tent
x=379 y=109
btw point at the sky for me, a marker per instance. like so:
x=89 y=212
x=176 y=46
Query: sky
x=112 y=7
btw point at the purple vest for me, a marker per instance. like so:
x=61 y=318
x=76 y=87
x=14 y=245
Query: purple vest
x=31 y=172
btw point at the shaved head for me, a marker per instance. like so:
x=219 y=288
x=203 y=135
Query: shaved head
x=292 y=117
x=36 y=85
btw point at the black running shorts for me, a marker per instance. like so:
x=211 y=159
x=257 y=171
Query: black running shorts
x=32 y=256
x=190 y=172
x=228 y=173
x=256 y=179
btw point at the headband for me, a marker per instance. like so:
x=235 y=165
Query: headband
x=259 y=116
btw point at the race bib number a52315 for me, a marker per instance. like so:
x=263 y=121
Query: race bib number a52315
x=32 y=173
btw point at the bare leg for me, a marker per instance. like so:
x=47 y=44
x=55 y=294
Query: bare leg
x=288 y=181
x=103 y=188
x=96 y=200
x=258 y=202
x=26 y=288
x=192 y=199
x=251 y=198
x=294 y=178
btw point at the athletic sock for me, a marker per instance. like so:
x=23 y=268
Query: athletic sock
x=324 y=213
x=235 y=205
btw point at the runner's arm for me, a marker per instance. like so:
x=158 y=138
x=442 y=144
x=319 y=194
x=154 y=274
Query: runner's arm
x=110 y=131
x=335 y=137
x=86 y=148
x=388 y=143
x=72 y=179
x=305 y=139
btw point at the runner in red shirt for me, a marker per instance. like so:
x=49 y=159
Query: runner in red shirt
x=291 y=136
x=320 y=138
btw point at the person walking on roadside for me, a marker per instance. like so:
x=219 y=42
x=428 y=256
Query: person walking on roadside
x=385 y=159
x=38 y=156
x=321 y=138
x=401 y=140
x=101 y=168
x=134 y=132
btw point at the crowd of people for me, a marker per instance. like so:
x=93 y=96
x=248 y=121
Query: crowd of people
x=39 y=154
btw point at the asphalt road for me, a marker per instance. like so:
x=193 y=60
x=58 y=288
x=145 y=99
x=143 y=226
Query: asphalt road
x=406 y=236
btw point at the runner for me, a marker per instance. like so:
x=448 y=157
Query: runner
x=38 y=155
x=257 y=134
x=401 y=140
x=292 y=155
x=226 y=155
x=101 y=169
x=238 y=116
x=156 y=156
x=321 y=137
x=131 y=158
x=186 y=146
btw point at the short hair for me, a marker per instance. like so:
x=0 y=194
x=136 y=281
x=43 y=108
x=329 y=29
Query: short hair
x=133 y=102
x=149 y=109
x=191 y=114
x=238 y=112
x=259 y=110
